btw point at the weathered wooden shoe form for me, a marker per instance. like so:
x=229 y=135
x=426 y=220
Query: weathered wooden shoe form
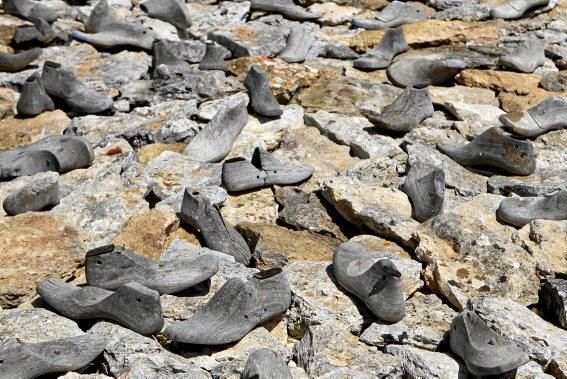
x=286 y=8
x=526 y=57
x=395 y=14
x=262 y=99
x=494 y=150
x=30 y=10
x=377 y=283
x=174 y=12
x=406 y=112
x=548 y=115
x=100 y=16
x=33 y=99
x=34 y=197
x=111 y=267
x=25 y=360
x=214 y=142
x=63 y=84
x=263 y=170
x=215 y=57
x=132 y=305
x=55 y=153
x=40 y=33
x=425 y=187
x=17 y=62
x=198 y=211
x=265 y=364
x=392 y=43
x=484 y=351
x=236 y=309
x=519 y=211
x=516 y=8
x=422 y=72
x=299 y=42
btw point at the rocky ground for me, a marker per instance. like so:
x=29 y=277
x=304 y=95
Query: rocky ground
x=131 y=194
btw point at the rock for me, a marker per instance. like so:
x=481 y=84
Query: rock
x=546 y=241
x=35 y=325
x=543 y=182
x=252 y=38
x=433 y=32
x=355 y=132
x=511 y=102
x=487 y=114
x=36 y=247
x=278 y=245
x=507 y=81
x=554 y=300
x=16 y=132
x=427 y=364
x=145 y=233
x=285 y=78
x=531 y=370
x=346 y=96
x=469 y=95
x=191 y=51
x=308 y=211
x=468 y=12
x=556 y=82
x=540 y=339
x=386 y=211
x=148 y=152
x=458 y=178
x=129 y=354
x=324 y=349
x=469 y=253
x=426 y=322
x=558 y=367
x=256 y=207
x=333 y=14
x=205 y=17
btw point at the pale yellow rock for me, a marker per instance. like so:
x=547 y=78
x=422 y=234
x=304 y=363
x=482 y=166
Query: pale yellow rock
x=256 y=206
x=469 y=95
x=547 y=241
x=36 y=247
x=16 y=132
x=148 y=152
x=334 y=14
x=146 y=233
x=434 y=32
x=507 y=81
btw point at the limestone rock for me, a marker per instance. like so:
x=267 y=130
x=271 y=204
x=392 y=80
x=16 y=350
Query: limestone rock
x=36 y=247
x=518 y=83
x=425 y=325
x=386 y=211
x=547 y=241
x=129 y=354
x=35 y=325
x=204 y=17
x=19 y=132
x=462 y=94
x=334 y=14
x=427 y=364
x=470 y=254
x=257 y=207
x=252 y=38
x=540 y=339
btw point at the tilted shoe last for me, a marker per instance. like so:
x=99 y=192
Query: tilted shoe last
x=162 y=54
x=520 y=211
x=101 y=16
x=299 y=42
x=17 y=62
x=55 y=153
x=111 y=267
x=484 y=351
x=494 y=150
x=406 y=112
x=516 y=8
x=425 y=186
x=392 y=44
x=377 y=283
x=263 y=170
x=422 y=72
x=215 y=57
x=132 y=305
x=526 y=57
x=63 y=84
x=214 y=142
x=396 y=13
x=265 y=364
x=286 y=8
x=34 y=197
x=30 y=10
x=262 y=99
x=24 y=360
x=33 y=99
x=174 y=12
x=236 y=309
x=40 y=33
x=198 y=211
x=550 y=114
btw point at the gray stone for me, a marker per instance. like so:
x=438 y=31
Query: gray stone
x=539 y=338
x=554 y=300
x=465 y=12
x=226 y=13
x=427 y=364
x=129 y=354
x=250 y=39
x=35 y=325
